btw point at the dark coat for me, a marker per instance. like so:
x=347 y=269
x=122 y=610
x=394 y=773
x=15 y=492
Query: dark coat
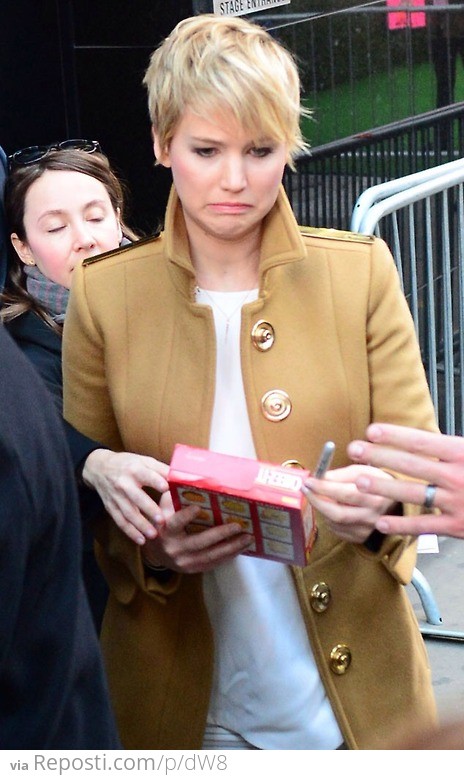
x=53 y=693
x=3 y=232
x=42 y=346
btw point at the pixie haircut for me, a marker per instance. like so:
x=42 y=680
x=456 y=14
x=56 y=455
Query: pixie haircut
x=210 y=63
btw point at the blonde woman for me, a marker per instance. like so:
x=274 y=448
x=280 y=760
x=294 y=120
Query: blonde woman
x=204 y=645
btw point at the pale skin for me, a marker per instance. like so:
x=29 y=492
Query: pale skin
x=119 y=479
x=68 y=217
x=349 y=513
x=227 y=184
x=421 y=455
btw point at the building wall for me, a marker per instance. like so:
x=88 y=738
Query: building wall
x=73 y=68
x=31 y=87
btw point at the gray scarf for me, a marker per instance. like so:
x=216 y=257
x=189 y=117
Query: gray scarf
x=53 y=297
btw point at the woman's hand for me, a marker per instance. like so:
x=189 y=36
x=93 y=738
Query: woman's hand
x=176 y=549
x=349 y=514
x=436 y=459
x=119 y=479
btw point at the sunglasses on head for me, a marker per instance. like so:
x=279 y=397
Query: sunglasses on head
x=33 y=154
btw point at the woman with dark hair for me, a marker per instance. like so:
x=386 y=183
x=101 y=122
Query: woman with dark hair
x=64 y=204
x=60 y=208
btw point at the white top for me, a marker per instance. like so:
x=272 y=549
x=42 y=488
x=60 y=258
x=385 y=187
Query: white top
x=266 y=686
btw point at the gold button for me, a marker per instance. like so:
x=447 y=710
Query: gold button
x=340 y=659
x=262 y=335
x=320 y=597
x=276 y=405
x=293 y=464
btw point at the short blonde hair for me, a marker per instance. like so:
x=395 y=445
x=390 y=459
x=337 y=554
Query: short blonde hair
x=209 y=63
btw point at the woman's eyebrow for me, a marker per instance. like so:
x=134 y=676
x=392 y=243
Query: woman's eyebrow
x=61 y=211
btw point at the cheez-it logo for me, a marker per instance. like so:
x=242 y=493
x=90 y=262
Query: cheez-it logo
x=278 y=479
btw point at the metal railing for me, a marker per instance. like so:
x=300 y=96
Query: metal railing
x=360 y=70
x=329 y=179
x=421 y=217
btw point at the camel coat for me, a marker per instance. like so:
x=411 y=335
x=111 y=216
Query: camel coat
x=139 y=375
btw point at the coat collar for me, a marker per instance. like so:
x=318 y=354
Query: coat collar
x=282 y=242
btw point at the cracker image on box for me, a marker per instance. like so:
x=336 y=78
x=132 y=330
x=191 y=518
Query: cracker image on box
x=234 y=505
x=193 y=496
x=273 y=515
x=263 y=498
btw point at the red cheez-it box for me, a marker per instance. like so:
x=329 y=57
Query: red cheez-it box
x=266 y=500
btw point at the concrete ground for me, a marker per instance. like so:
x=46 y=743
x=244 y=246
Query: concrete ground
x=444 y=575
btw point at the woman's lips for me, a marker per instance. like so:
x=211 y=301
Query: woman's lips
x=230 y=207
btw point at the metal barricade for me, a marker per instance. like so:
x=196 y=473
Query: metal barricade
x=374 y=194
x=423 y=222
x=328 y=179
x=421 y=217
